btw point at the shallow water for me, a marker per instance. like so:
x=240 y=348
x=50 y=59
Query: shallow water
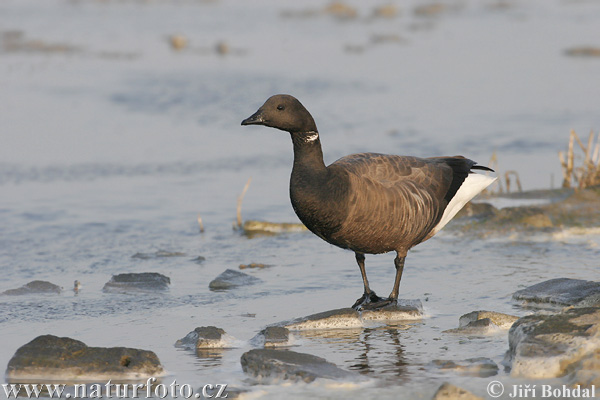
x=115 y=148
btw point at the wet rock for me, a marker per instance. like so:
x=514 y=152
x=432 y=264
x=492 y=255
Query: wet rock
x=205 y=337
x=231 y=279
x=339 y=318
x=405 y=310
x=158 y=254
x=586 y=372
x=277 y=365
x=52 y=358
x=583 y=51
x=450 y=392
x=178 y=42
x=272 y=336
x=34 y=287
x=132 y=282
x=482 y=323
x=199 y=259
x=430 y=10
x=480 y=367
x=549 y=346
x=253 y=265
x=272 y=227
x=477 y=211
x=562 y=292
x=341 y=11
x=349 y=318
x=503 y=321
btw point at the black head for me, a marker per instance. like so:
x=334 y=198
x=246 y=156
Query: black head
x=284 y=112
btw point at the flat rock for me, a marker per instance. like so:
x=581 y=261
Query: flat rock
x=272 y=227
x=450 y=392
x=132 y=282
x=481 y=367
x=34 y=287
x=285 y=365
x=231 y=279
x=158 y=254
x=562 y=292
x=549 y=346
x=49 y=357
x=205 y=337
x=483 y=323
x=272 y=336
x=406 y=310
x=503 y=321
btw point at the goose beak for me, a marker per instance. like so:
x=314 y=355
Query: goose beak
x=254 y=119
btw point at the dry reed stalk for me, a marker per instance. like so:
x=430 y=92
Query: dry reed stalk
x=507 y=175
x=587 y=174
x=239 y=202
x=493 y=164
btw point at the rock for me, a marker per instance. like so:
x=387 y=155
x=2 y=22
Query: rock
x=198 y=260
x=481 y=366
x=333 y=319
x=253 y=265
x=158 y=254
x=503 y=321
x=562 y=292
x=549 y=346
x=277 y=365
x=477 y=211
x=586 y=372
x=205 y=337
x=52 y=358
x=406 y=310
x=450 y=392
x=251 y=226
x=34 y=287
x=272 y=336
x=231 y=279
x=583 y=51
x=386 y=11
x=482 y=323
x=178 y=42
x=341 y=11
x=430 y=10
x=145 y=281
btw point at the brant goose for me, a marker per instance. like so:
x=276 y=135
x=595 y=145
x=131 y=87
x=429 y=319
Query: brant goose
x=369 y=203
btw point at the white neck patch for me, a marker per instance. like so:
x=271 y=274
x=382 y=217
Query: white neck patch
x=312 y=137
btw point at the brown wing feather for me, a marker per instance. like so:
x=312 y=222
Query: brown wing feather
x=404 y=194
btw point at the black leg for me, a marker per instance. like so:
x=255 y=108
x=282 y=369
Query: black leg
x=368 y=296
x=399 y=263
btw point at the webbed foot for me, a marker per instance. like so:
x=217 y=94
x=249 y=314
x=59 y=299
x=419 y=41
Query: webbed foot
x=377 y=305
x=365 y=299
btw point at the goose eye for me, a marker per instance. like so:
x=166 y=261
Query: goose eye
x=280 y=107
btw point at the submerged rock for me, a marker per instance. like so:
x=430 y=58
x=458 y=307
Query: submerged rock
x=34 y=287
x=562 y=292
x=339 y=318
x=481 y=366
x=549 y=346
x=450 y=392
x=158 y=254
x=231 y=279
x=272 y=227
x=272 y=336
x=145 y=281
x=52 y=358
x=276 y=365
x=204 y=337
x=406 y=310
x=483 y=322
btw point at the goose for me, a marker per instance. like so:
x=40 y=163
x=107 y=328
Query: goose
x=369 y=203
